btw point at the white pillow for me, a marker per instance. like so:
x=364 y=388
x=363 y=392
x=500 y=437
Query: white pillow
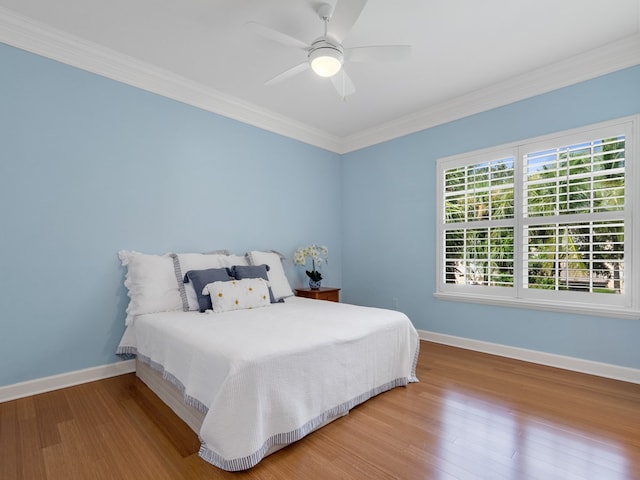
x=277 y=279
x=236 y=260
x=201 y=261
x=151 y=281
x=195 y=261
x=238 y=294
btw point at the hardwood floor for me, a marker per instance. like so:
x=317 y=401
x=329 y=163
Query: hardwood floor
x=472 y=416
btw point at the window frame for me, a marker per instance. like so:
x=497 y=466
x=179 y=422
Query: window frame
x=623 y=305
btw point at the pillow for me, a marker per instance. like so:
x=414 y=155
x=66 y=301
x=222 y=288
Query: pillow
x=277 y=278
x=200 y=261
x=240 y=272
x=236 y=260
x=237 y=294
x=151 y=283
x=200 y=278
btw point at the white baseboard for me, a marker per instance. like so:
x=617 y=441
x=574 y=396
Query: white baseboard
x=607 y=370
x=55 y=382
x=616 y=372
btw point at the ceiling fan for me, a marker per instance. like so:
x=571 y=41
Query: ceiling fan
x=325 y=55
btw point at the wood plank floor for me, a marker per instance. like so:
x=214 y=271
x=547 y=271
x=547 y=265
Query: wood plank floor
x=472 y=416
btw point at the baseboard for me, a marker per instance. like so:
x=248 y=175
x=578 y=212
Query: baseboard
x=55 y=382
x=616 y=372
x=607 y=370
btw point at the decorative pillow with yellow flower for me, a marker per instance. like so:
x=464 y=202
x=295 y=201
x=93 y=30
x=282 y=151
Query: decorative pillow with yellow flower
x=238 y=294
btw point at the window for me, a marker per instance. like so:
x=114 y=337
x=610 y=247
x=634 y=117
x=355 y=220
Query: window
x=547 y=223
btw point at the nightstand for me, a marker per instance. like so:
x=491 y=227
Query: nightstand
x=323 y=293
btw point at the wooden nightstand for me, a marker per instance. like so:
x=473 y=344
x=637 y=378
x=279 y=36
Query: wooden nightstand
x=323 y=293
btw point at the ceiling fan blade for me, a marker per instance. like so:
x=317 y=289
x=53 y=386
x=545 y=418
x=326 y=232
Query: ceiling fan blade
x=378 y=53
x=288 y=73
x=275 y=35
x=344 y=16
x=343 y=84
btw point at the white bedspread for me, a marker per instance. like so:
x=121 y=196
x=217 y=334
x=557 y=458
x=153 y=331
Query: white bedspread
x=268 y=376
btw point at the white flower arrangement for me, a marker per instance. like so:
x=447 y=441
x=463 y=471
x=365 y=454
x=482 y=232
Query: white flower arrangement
x=318 y=254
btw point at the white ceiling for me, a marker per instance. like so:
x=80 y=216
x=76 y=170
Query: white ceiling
x=463 y=51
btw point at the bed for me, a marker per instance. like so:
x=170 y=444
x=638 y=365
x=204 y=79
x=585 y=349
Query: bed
x=252 y=380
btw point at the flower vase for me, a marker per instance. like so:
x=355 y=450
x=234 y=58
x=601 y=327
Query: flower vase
x=314 y=284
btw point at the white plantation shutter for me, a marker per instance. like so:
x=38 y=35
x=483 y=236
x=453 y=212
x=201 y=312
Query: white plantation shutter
x=576 y=256
x=584 y=183
x=546 y=223
x=478 y=246
x=576 y=179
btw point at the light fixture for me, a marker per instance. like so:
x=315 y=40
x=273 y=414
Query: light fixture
x=325 y=59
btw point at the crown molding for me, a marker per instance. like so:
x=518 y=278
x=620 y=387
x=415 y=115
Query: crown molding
x=607 y=59
x=35 y=37
x=24 y=33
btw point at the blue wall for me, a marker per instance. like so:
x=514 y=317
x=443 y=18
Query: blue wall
x=389 y=220
x=90 y=166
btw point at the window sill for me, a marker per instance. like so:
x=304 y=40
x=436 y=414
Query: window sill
x=563 y=307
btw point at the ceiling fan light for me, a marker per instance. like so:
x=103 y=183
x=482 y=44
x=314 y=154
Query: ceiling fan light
x=326 y=61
